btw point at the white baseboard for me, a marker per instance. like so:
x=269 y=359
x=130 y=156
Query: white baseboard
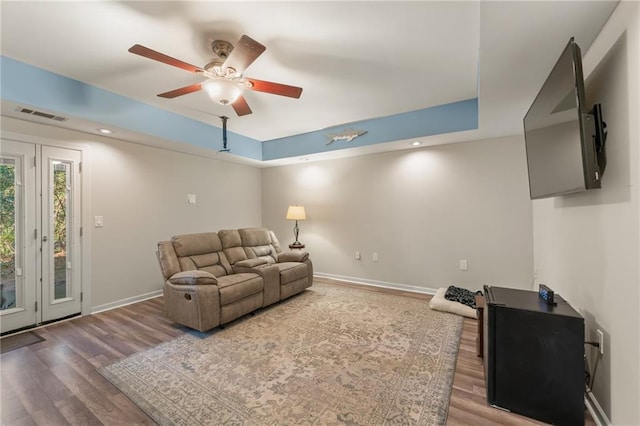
x=594 y=407
x=125 y=302
x=376 y=283
x=364 y=281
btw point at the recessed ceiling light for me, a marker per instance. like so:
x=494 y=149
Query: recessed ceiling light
x=105 y=131
x=416 y=143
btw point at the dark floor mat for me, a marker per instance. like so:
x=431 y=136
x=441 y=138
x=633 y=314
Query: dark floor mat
x=18 y=341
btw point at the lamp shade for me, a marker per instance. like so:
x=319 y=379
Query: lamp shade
x=296 y=213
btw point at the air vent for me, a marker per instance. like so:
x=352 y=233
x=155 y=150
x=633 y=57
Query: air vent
x=41 y=114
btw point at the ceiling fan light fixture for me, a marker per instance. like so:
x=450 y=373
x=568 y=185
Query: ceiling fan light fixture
x=222 y=78
x=223 y=92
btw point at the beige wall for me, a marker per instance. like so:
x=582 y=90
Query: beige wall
x=141 y=192
x=421 y=210
x=587 y=246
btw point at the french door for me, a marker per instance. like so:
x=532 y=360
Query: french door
x=40 y=234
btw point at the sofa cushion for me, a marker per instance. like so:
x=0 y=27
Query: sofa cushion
x=257 y=244
x=193 y=278
x=202 y=252
x=193 y=244
x=235 y=254
x=232 y=245
x=266 y=253
x=230 y=238
x=254 y=236
x=214 y=263
x=292 y=271
x=238 y=286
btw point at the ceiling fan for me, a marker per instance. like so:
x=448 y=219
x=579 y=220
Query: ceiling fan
x=225 y=82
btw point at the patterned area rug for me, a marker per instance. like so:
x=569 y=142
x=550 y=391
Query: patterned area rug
x=331 y=355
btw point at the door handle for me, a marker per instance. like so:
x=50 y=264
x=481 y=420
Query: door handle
x=45 y=239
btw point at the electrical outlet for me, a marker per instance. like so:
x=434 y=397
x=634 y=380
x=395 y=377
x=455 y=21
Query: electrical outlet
x=600 y=340
x=374 y=257
x=358 y=256
x=464 y=265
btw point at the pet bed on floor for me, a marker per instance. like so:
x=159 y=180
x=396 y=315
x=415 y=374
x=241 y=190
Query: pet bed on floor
x=439 y=303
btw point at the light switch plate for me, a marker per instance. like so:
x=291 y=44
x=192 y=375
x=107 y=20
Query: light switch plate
x=191 y=198
x=98 y=221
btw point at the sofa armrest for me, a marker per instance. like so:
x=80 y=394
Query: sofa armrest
x=193 y=278
x=292 y=256
x=250 y=263
x=196 y=306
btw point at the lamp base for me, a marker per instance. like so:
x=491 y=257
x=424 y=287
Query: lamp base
x=296 y=230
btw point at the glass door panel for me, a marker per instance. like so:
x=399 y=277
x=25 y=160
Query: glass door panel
x=60 y=233
x=9 y=222
x=61 y=199
x=18 y=291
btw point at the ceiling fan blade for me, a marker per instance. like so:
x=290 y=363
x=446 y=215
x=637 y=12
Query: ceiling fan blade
x=161 y=57
x=243 y=54
x=181 y=91
x=275 y=88
x=241 y=107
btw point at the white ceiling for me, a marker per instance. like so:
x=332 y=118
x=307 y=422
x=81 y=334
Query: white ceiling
x=354 y=60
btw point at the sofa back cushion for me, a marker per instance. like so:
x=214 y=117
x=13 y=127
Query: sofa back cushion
x=232 y=245
x=201 y=252
x=168 y=259
x=257 y=244
x=274 y=242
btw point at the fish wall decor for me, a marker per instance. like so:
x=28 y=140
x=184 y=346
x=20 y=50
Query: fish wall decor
x=346 y=135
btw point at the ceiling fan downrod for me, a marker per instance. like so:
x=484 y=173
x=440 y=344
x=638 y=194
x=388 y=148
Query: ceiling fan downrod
x=224 y=134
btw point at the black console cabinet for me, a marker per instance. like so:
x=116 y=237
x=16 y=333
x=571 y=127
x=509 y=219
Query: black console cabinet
x=534 y=356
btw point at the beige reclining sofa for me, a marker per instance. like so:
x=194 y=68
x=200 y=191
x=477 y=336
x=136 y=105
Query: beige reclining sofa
x=214 y=278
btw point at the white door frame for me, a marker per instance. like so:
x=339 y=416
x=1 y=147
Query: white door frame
x=61 y=138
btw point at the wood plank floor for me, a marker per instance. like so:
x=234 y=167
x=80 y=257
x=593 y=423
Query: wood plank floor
x=54 y=382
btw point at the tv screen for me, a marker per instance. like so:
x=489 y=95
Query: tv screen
x=560 y=135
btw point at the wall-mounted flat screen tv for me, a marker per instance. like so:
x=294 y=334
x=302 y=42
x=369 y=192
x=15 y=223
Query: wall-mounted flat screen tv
x=564 y=140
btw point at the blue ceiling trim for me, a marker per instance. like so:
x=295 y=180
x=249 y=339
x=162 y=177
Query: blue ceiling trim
x=34 y=87
x=37 y=88
x=453 y=117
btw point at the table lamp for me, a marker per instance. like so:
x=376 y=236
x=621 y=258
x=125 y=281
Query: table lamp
x=296 y=213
